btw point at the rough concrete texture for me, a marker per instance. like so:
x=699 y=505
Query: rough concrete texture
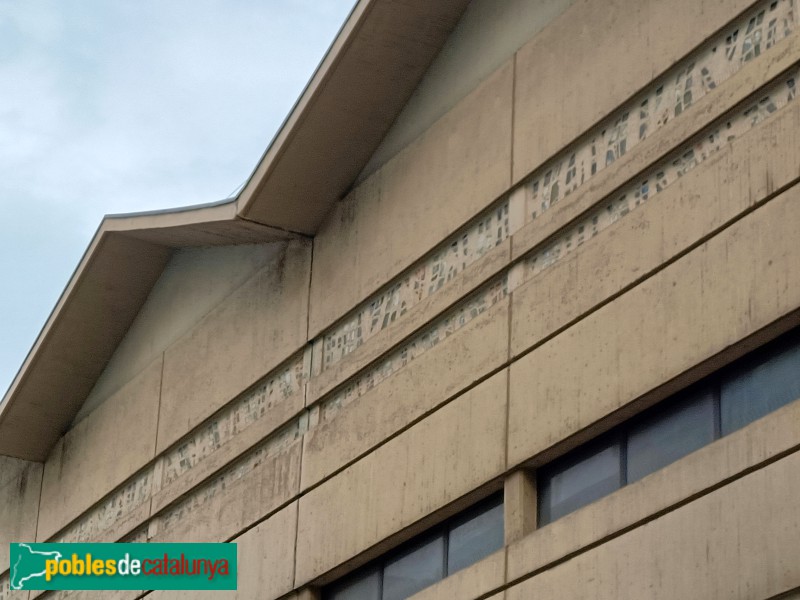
x=706 y=147
x=728 y=288
x=116 y=515
x=447 y=176
x=450 y=453
x=655 y=232
x=80 y=469
x=238 y=427
x=428 y=277
x=391 y=344
x=435 y=333
x=230 y=502
x=567 y=80
x=727 y=458
x=663 y=100
x=489 y=32
x=737 y=543
x=6 y=594
x=259 y=326
x=406 y=317
x=20 y=484
x=194 y=281
x=265 y=561
x=438 y=374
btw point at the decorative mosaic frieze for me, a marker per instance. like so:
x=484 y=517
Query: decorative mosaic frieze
x=122 y=501
x=247 y=409
x=655 y=180
x=665 y=99
x=704 y=146
x=431 y=336
x=206 y=492
x=243 y=412
x=424 y=280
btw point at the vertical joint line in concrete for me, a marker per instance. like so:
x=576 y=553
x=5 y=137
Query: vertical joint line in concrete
x=155 y=443
x=507 y=367
x=158 y=411
x=513 y=116
x=308 y=347
x=296 y=532
x=38 y=514
x=308 y=293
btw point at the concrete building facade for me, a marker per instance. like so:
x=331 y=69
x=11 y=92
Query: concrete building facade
x=508 y=310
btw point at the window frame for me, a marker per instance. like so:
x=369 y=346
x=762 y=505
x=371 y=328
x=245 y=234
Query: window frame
x=712 y=385
x=442 y=529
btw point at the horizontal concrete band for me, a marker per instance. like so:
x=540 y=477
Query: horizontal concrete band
x=717 y=219
x=403 y=291
x=767 y=63
x=566 y=387
x=187 y=487
x=307 y=421
x=730 y=543
x=527 y=236
x=768 y=205
x=696 y=475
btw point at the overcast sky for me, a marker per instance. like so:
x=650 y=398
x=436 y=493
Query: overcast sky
x=111 y=106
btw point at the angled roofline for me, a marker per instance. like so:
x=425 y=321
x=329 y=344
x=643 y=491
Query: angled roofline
x=360 y=86
x=396 y=40
x=121 y=264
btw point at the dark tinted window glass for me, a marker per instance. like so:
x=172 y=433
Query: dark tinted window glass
x=670 y=434
x=414 y=570
x=477 y=537
x=365 y=586
x=760 y=388
x=579 y=480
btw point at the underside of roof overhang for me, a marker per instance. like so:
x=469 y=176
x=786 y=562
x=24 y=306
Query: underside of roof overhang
x=362 y=84
x=104 y=295
x=360 y=87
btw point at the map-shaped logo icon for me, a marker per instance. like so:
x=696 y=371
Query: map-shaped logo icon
x=28 y=564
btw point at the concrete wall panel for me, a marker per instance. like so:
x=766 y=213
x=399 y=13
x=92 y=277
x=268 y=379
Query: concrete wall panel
x=260 y=325
x=194 y=281
x=438 y=374
x=266 y=557
x=489 y=32
x=583 y=65
x=737 y=283
x=451 y=172
x=234 y=500
x=711 y=466
x=101 y=451
x=438 y=460
x=701 y=201
x=20 y=486
x=265 y=560
x=737 y=543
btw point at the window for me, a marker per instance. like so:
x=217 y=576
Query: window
x=474 y=537
x=671 y=434
x=460 y=542
x=771 y=380
x=580 y=479
x=752 y=387
x=414 y=570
